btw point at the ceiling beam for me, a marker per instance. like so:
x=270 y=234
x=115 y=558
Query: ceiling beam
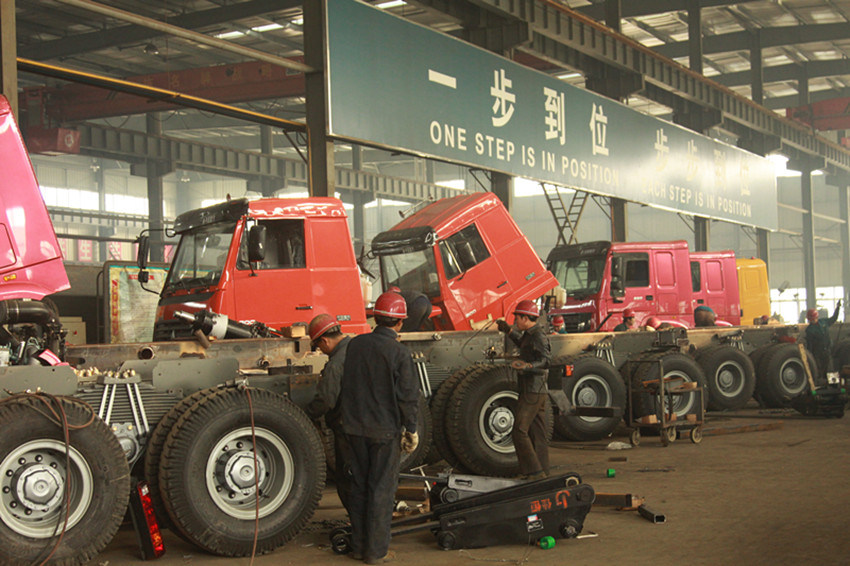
x=126 y=34
x=789 y=72
x=769 y=37
x=793 y=100
x=634 y=8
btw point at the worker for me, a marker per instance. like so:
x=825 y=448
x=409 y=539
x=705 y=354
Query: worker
x=418 y=308
x=651 y=324
x=818 y=341
x=529 y=432
x=380 y=402
x=325 y=334
x=628 y=321
x=704 y=316
x=558 y=325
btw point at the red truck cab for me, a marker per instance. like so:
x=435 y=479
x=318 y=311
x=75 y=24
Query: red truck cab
x=602 y=279
x=467 y=255
x=308 y=266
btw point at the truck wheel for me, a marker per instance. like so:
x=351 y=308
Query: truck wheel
x=730 y=376
x=783 y=377
x=480 y=419
x=841 y=354
x=439 y=403
x=207 y=474
x=34 y=475
x=678 y=369
x=594 y=383
x=153 y=451
x=424 y=427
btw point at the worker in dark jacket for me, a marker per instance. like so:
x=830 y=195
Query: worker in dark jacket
x=325 y=334
x=380 y=402
x=818 y=341
x=628 y=321
x=529 y=432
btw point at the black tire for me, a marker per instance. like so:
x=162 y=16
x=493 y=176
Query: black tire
x=153 y=451
x=424 y=427
x=593 y=383
x=479 y=421
x=678 y=369
x=841 y=355
x=439 y=404
x=757 y=355
x=730 y=377
x=33 y=449
x=783 y=377
x=197 y=487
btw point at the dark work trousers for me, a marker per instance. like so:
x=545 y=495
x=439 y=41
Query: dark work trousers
x=342 y=468
x=529 y=432
x=374 y=468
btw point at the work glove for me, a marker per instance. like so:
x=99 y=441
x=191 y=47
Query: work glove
x=409 y=441
x=503 y=326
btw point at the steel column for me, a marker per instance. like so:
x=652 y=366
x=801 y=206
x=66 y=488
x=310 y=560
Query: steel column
x=320 y=146
x=808 y=242
x=702 y=232
x=763 y=247
x=613 y=15
x=502 y=185
x=268 y=185
x=154 y=177
x=844 y=210
x=756 y=72
x=8 y=54
x=619 y=220
x=694 y=36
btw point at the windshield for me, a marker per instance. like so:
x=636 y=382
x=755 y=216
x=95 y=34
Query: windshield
x=200 y=256
x=411 y=271
x=580 y=276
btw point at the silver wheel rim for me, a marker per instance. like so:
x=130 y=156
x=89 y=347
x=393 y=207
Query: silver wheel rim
x=496 y=421
x=729 y=379
x=681 y=404
x=792 y=376
x=34 y=481
x=592 y=391
x=230 y=478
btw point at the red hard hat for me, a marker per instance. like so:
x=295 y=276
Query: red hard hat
x=653 y=321
x=528 y=308
x=628 y=313
x=811 y=314
x=320 y=324
x=557 y=319
x=392 y=305
x=394 y=289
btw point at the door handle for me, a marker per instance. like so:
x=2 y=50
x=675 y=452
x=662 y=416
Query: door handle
x=650 y=298
x=502 y=284
x=304 y=308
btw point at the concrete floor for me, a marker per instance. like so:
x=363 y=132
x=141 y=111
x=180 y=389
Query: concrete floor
x=771 y=497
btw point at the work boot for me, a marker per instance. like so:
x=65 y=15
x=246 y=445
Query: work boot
x=388 y=557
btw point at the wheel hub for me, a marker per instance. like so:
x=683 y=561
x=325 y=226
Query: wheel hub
x=501 y=422
x=726 y=379
x=38 y=487
x=587 y=397
x=238 y=471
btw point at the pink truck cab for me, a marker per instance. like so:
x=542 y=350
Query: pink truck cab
x=602 y=279
x=30 y=258
x=714 y=280
x=307 y=265
x=467 y=255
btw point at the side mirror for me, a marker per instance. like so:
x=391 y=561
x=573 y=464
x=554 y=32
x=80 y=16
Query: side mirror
x=144 y=242
x=617 y=287
x=257 y=243
x=616 y=267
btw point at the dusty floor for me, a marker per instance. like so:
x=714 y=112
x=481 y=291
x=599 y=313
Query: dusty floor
x=771 y=497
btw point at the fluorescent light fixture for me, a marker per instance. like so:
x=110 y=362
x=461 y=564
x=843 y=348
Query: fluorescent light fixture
x=390 y=4
x=267 y=27
x=454 y=184
x=230 y=35
x=299 y=21
x=568 y=75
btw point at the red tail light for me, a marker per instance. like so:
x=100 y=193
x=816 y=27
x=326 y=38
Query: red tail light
x=144 y=521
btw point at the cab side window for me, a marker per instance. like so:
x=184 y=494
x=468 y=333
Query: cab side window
x=463 y=251
x=636 y=270
x=284 y=246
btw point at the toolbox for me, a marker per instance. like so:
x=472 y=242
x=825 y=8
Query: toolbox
x=521 y=513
